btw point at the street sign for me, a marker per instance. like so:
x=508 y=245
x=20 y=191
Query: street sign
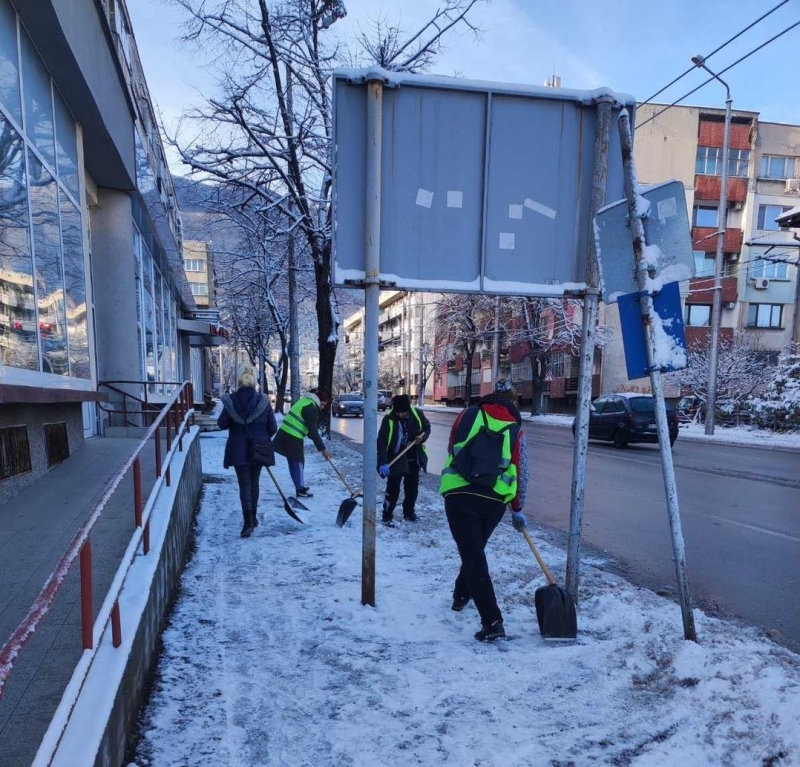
x=485 y=187
x=670 y=334
x=669 y=240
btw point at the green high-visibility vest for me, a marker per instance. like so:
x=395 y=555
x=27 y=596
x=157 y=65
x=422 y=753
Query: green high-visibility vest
x=419 y=422
x=293 y=423
x=506 y=484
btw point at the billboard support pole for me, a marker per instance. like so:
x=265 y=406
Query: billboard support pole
x=588 y=330
x=371 y=308
x=646 y=302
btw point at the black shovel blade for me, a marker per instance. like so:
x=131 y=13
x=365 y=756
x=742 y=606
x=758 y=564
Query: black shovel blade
x=295 y=504
x=555 y=611
x=290 y=511
x=345 y=510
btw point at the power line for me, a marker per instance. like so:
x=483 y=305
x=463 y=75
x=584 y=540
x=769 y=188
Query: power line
x=716 y=50
x=722 y=72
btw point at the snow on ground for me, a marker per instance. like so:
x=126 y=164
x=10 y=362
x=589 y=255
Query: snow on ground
x=270 y=658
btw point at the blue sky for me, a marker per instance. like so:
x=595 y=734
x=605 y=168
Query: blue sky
x=629 y=45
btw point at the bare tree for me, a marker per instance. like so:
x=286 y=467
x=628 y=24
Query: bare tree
x=544 y=326
x=268 y=130
x=465 y=321
x=743 y=368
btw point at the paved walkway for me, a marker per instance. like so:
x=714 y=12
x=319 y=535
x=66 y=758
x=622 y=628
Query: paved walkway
x=36 y=527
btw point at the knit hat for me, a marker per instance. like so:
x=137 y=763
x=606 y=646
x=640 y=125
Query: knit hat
x=401 y=403
x=322 y=395
x=503 y=385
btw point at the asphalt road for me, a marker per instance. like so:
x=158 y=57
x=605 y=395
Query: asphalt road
x=740 y=511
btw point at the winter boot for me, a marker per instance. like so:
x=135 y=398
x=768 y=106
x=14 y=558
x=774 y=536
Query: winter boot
x=255 y=519
x=491 y=633
x=459 y=603
x=410 y=516
x=248 y=527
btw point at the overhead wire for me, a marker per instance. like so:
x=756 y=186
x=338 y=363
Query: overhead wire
x=715 y=51
x=719 y=74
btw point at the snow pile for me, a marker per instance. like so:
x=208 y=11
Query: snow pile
x=270 y=659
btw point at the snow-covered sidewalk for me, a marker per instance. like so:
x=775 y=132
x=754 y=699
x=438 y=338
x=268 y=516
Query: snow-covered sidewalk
x=270 y=659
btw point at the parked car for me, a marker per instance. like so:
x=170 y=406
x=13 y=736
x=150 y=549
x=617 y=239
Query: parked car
x=627 y=418
x=348 y=404
x=691 y=408
x=384 y=399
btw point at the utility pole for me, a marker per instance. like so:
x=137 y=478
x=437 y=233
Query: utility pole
x=496 y=350
x=722 y=223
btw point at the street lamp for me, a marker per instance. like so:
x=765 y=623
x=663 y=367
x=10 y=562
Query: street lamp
x=722 y=223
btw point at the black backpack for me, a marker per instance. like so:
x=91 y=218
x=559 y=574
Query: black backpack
x=480 y=460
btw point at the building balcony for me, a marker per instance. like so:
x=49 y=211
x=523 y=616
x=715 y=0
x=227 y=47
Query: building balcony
x=704 y=238
x=701 y=290
x=710 y=188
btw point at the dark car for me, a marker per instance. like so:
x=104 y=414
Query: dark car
x=348 y=404
x=627 y=418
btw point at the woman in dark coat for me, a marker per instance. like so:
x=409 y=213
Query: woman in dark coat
x=246 y=412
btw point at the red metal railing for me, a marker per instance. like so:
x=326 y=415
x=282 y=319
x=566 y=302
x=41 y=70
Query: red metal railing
x=136 y=410
x=177 y=417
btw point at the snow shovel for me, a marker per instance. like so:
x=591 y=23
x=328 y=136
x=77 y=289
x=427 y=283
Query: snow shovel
x=287 y=507
x=349 y=504
x=555 y=609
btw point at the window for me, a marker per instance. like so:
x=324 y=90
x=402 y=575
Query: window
x=704 y=264
x=771 y=269
x=706 y=215
x=709 y=161
x=698 y=315
x=15 y=454
x=767 y=215
x=194 y=264
x=199 y=288
x=764 y=315
x=776 y=166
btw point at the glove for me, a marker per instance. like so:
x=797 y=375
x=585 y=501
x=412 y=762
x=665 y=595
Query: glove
x=383 y=470
x=519 y=521
x=419 y=439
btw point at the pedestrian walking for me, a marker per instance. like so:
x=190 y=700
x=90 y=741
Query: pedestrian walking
x=246 y=415
x=404 y=425
x=485 y=471
x=300 y=422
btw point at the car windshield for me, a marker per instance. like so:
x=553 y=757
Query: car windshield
x=642 y=404
x=350 y=398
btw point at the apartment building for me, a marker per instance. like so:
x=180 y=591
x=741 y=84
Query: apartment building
x=759 y=285
x=198 y=263
x=406 y=344
x=92 y=287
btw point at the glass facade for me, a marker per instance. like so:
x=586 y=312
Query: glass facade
x=43 y=323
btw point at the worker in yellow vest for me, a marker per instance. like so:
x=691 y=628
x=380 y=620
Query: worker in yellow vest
x=402 y=426
x=486 y=470
x=300 y=422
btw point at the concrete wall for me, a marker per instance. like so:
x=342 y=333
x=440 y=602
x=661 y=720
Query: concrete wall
x=113 y=277
x=666 y=148
x=34 y=417
x=134 y=686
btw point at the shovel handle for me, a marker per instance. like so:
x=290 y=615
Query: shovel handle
x=394 y=460
x=545 y=569
x=280 y=490
x=341 y=476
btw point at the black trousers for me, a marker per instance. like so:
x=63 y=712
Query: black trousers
x=248 y=477
x=472 y=521
x=410 y=483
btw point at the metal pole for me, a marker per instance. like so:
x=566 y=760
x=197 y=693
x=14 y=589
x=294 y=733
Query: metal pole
x=590 y=301
x=716 y=307
x=371 y=308
x=646 y=300
x=496 y=350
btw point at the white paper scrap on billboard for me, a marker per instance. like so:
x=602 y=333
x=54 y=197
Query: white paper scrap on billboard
x=455 y=199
